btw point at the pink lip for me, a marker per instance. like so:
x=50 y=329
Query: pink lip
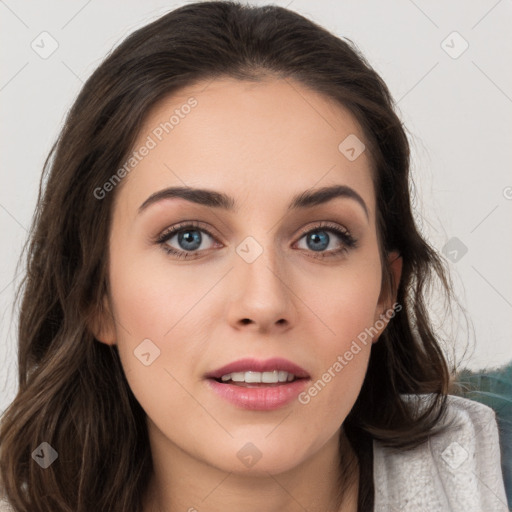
x=261 y=397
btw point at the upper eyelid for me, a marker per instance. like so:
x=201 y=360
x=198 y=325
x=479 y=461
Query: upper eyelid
x=325 y=225
x=173 y=230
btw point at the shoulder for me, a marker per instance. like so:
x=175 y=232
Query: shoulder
x=5 y=507
x=4 y=504
x=458 y=470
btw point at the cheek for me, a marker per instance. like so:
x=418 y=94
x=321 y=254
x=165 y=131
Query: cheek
x=345 y=302
x=160 y=328
x=347 y=308
x=341 y=369
x=149 y=297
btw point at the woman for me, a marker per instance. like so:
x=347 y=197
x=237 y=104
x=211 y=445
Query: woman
x=224 y=304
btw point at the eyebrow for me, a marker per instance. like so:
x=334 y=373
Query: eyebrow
x=214 y=199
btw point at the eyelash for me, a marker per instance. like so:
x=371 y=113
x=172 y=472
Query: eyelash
x=349 y=242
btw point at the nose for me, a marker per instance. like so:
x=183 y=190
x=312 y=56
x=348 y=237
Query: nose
x=262 y=297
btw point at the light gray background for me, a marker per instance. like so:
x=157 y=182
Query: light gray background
x=458 y=112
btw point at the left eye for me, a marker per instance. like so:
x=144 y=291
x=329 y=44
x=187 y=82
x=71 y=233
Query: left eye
x=190 y=240
x=318 y=239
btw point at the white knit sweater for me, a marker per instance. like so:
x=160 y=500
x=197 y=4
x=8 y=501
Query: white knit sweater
x=457 y=471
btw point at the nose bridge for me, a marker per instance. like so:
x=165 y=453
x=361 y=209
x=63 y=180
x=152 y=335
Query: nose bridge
x=263 y=295
x=259 y=245
x=259 y=260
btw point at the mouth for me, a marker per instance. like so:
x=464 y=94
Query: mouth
x=253 y=379
x=258 y=385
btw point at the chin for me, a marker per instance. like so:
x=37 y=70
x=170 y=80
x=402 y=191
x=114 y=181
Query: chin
x=259 y=457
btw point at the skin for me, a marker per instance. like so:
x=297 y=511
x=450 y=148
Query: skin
x=261 y=143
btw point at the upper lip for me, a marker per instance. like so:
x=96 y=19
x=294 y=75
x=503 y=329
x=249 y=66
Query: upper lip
x=255 y=365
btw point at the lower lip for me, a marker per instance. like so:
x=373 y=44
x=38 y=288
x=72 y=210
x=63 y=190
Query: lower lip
x=264 y=398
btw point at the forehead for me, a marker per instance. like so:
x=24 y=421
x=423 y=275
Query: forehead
x=247 y=138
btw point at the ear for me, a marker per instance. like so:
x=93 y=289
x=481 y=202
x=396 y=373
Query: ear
x=102 y=324
x=387 y=298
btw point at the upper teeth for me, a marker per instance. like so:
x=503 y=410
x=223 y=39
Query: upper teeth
x=266 y=377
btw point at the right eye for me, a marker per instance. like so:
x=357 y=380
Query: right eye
x=190 y=238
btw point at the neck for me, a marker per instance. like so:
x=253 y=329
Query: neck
x=327 y=481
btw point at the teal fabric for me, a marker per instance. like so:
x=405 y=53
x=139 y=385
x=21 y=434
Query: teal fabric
x=494 y=389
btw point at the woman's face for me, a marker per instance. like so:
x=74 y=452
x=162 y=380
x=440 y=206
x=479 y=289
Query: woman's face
x=261 y=275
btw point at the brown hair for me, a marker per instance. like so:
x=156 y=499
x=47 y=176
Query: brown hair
x=72 y=390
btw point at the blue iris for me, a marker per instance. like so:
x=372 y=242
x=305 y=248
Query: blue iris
x=188 y=239
x=316 y=237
